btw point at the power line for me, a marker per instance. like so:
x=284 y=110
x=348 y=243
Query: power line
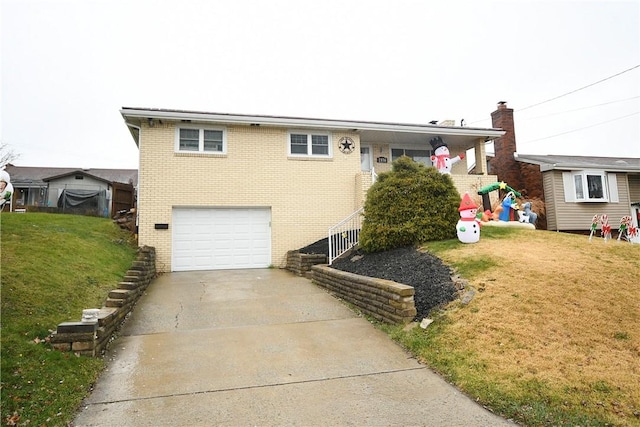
x=578 y=109
x=579 y=129
x=576 y=90
x=568 y=93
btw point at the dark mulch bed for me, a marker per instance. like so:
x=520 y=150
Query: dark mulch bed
x=429 y=276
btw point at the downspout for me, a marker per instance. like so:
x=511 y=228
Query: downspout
x=137 y=140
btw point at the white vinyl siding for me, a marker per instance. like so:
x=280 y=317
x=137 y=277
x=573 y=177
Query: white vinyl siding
x=563 y=214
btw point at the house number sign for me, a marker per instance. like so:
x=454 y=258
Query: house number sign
x=346 y=145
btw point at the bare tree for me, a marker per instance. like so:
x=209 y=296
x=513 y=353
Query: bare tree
x=7 y=154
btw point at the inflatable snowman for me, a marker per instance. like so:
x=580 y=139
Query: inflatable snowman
x=6 y=189
x=468 y=227
x=441 y=158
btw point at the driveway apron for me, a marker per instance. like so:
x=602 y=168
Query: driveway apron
x=259 y=348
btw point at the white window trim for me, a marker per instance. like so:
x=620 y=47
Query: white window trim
x=609 y=194
x=309 y=154
x=405 y=148
x=201 y=140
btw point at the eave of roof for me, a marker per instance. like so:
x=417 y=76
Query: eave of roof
x=76 y=172
x=32 y=176
x=558 y=162
x=134 y=116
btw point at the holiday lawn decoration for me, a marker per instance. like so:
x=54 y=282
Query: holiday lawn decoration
x=6 y=189
x=526 y=215
x=625 y=222
x=594 y=226
x=606 y=228
x=441 y=159
x=627 y=230
x=484 y=192
x=468 y=227
x=507 y=204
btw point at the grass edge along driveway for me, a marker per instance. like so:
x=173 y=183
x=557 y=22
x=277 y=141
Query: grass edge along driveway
x=53 y=267
x=552 y=336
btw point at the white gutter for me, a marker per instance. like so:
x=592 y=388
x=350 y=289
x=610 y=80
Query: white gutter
x=131 y=125
x=545 y=166
x=137 y=188
x=307 y=122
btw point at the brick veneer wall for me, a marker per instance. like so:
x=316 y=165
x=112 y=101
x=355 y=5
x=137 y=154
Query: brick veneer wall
x=91 y=338
x=286 y=184
x=382 y=299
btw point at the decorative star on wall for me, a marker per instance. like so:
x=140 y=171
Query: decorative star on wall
x=346 y=145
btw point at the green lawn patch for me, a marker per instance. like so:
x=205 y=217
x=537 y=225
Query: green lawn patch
x=53 y=267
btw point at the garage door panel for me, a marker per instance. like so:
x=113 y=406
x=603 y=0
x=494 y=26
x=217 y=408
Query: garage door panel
x=221 y=238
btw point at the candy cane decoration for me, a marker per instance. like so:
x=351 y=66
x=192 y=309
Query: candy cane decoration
x=625 y=223
x=594 y=226
x=606 y=228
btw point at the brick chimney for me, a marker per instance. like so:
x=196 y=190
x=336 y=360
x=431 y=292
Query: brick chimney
x=504 y=164
x=524 y=177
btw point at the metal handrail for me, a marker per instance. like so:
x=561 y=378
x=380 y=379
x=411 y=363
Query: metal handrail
x=344 y=235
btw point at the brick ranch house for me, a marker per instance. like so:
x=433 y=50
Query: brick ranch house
x=225 y=191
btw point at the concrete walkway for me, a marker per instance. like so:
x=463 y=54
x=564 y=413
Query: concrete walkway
x=263 y=348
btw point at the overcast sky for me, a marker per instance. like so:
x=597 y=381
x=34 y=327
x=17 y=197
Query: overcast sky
x=69 y=66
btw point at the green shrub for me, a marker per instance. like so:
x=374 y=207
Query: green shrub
x=409 y=205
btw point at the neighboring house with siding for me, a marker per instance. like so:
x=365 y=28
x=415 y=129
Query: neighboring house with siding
x=578 y=187
x=221 y=191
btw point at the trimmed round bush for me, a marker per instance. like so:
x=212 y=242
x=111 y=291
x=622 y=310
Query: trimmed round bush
x=409 y=205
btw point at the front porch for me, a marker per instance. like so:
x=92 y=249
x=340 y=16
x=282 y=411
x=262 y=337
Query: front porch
x=379 y=148
x=464 y=184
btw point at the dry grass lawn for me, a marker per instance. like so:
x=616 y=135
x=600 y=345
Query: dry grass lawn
x=557 y=310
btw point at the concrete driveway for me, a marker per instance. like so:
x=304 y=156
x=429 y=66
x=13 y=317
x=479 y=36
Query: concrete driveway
x=263 y=347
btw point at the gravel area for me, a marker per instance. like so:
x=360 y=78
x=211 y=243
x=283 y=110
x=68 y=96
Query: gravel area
x=429 y=276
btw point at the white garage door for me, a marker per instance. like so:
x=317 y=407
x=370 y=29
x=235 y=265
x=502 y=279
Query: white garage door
x=217 y=239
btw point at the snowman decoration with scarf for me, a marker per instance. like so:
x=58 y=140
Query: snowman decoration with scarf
x=441 y=159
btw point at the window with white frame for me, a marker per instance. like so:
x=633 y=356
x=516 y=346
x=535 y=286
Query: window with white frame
x=418 y=155
x=200 y=140
x=312 y=144
x=590 y=186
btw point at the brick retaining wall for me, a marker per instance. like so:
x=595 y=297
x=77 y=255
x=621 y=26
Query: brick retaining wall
x=300 y=263
x=382 y=299
x=91 y=338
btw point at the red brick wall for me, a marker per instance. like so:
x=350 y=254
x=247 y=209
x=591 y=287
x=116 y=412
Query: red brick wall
x=525 y=178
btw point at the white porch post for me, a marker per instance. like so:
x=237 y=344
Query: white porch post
x=481 y=157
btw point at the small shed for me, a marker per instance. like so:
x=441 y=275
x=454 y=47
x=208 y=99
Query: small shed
x=84 y=193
